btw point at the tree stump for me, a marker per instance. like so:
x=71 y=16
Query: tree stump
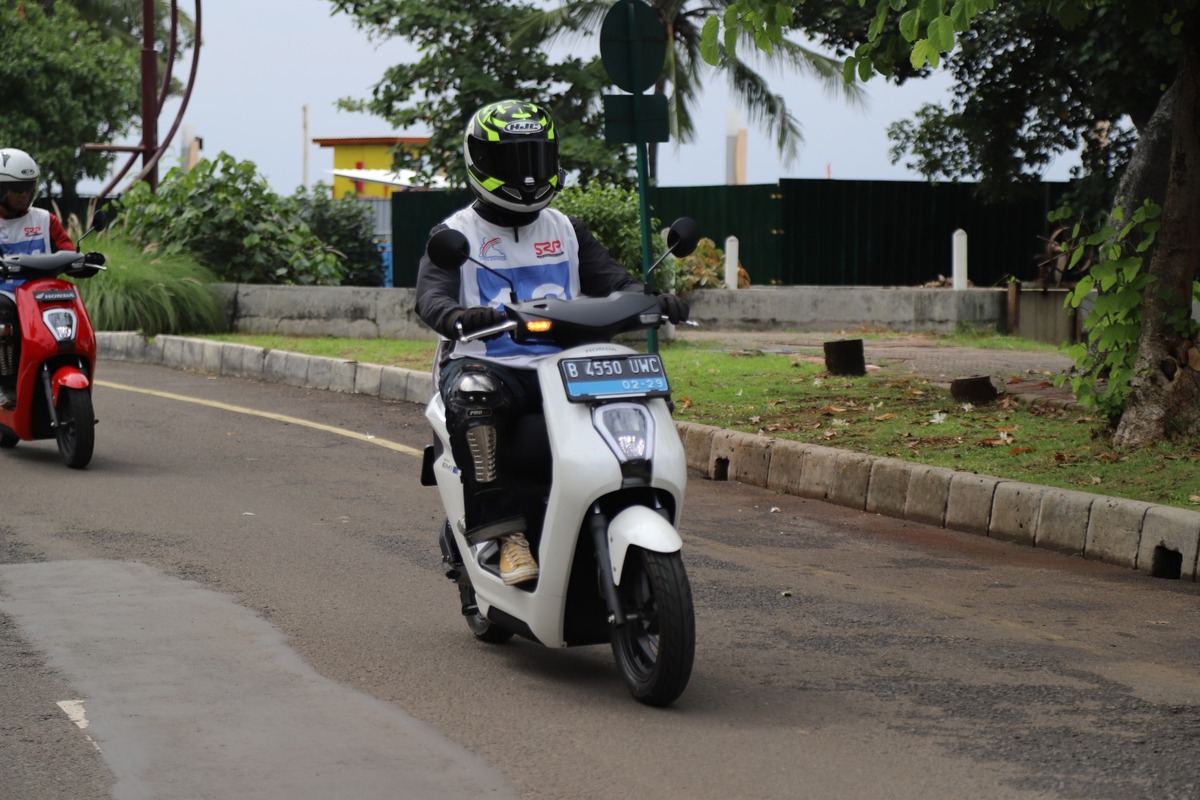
x=978 y=390
x=845 y=357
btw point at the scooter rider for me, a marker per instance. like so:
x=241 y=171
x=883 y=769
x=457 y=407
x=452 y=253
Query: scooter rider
x=511 y=153
x=23 y=229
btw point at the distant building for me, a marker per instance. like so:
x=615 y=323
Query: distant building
x=362 y=165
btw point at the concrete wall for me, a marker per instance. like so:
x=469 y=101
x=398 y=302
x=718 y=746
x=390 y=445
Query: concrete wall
x=826 y=308
x=390 y=313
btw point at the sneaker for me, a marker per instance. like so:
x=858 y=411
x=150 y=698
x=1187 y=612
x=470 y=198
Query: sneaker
x=8 y=398
x=516 y=562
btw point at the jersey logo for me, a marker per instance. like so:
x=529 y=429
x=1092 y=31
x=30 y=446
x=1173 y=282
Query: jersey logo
x=544 y=249
x=490 y=251
x=33 y=230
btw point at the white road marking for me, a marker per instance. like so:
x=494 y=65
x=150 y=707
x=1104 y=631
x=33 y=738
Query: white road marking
x=361 y=437
x=74 y=711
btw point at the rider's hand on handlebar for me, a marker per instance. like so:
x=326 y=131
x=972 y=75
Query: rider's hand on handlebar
x=94 y=259
x=673 y=308
x=480 y=317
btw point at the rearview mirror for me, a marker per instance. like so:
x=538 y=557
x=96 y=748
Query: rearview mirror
x=448 y=249
x=683 y=237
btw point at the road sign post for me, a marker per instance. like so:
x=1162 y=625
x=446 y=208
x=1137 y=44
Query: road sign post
x=633 y=45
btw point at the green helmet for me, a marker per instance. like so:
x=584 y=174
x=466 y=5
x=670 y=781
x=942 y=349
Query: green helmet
x=512 y=156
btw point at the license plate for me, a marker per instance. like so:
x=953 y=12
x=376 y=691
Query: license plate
x=606 y=377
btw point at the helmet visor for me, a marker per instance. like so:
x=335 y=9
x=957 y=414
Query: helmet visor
x=19 y=186
x=514 y=161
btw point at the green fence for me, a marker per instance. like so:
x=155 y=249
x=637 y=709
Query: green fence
x=895 y=233
x=816 y=232
x=414 y=214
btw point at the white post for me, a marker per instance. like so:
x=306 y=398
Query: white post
x=731 y=262
x=959 y=257
x=304 y=148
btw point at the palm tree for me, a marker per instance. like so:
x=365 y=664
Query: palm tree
x=685 y=69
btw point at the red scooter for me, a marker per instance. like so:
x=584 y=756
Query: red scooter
x=52 y=349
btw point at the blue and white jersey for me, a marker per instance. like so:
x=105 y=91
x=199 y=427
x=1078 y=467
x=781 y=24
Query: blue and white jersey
x=27 y=234
x=542 y=262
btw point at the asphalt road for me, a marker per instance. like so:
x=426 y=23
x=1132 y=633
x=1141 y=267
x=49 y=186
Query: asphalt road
x=244 y=606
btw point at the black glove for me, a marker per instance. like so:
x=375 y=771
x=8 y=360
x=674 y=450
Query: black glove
x=477 y=318
x=673 y=308
x=94 y=259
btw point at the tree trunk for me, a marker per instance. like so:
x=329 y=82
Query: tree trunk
x=1164 y=397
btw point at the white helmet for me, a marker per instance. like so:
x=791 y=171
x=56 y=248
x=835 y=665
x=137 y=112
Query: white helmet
x=18 y=173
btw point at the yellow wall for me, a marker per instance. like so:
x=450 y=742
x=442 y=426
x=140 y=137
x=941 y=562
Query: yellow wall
x=361 y=156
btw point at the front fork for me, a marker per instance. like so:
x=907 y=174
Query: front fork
x=597 y=523
x=48 y=390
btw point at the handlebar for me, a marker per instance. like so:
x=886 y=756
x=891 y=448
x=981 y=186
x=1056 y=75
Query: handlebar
x=483 y=333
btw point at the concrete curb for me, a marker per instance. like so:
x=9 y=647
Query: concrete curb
x=1157 y=540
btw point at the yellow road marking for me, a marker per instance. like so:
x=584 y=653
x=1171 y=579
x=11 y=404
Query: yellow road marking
x=362 y=437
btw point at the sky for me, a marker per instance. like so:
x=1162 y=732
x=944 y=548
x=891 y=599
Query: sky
x=258 y=71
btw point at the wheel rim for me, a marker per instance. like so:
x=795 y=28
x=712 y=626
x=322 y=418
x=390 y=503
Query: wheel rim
x=640 y=638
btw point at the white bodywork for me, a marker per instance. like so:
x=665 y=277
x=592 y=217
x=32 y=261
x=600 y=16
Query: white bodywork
x=584 y=469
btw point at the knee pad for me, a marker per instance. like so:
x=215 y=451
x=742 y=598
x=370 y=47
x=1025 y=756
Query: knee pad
x=478 y=405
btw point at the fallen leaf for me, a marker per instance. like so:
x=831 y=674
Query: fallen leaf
x=833 y=410
x=1017 y=451
x=991 y=443
x=884 y=417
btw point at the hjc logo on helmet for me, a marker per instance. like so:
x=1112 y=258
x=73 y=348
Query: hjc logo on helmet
x=524 y=126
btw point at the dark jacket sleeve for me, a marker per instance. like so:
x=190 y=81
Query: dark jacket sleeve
x=438 y=305
x=599 y=273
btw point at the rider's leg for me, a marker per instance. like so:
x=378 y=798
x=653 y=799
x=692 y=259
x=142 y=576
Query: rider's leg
x=481 y=401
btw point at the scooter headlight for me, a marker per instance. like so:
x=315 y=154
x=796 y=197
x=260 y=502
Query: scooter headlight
x=61 y=323
x=627 y=428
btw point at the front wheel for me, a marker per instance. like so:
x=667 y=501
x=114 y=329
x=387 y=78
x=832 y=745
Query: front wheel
x=657 y=644
x=76 y=430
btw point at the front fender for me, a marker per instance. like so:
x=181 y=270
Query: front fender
x=68 y=377
x=643 y=527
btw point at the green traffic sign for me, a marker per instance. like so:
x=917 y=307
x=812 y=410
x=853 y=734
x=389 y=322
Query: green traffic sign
x=636 y=118
x=633 y=45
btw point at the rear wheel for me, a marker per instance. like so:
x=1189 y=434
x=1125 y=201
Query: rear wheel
x=8 y=440
x=657 y=644
x=484 y=630
x=76 y=427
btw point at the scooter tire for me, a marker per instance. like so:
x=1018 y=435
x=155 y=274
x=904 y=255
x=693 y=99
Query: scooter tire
x=76 y=427
x=656 y=646
x=8 y=440
x=485 y=630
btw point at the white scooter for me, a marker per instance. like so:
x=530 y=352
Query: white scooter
x=602 y=474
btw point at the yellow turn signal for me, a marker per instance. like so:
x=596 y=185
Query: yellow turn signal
x=539 y=325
